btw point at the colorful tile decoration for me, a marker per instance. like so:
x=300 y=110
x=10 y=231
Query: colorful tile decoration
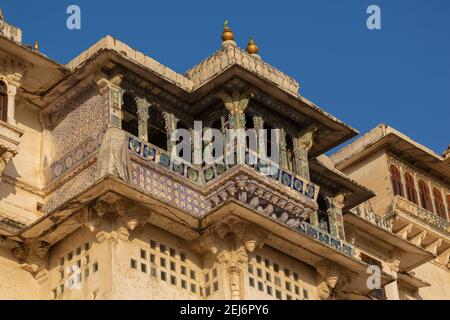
x=183 y=197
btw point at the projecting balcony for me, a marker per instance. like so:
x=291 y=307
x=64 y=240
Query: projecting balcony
x=281 y=196
x=403 y=206
x=9 y=143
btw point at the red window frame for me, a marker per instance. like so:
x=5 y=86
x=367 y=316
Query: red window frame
x=439 y=203
x=396 y=181
x=425 y=199
x=411 y=192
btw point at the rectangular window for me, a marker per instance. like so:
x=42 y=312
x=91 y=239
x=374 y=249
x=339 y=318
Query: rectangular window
x=287 y=273
x=260 y=286
x=251 y=282
x=86 y=273
x=215 y=286
x=79 y=263
x=78 y=251
x=153 y=272
x=295 y=276
x=152 y=244
x=207 y=277
x=163 y=276
x=193 y=275
x=258 y=259
x=173 y=280
x=70 y=256
x=162 y=248
x=184 y=284
x=133 y=264
x=143 y=267
x=183 y=270
x=259 y=272
x=269 y=290
x=183 y=256
x=250 y=268
x=305 y=294
x=276 y=268
x=152 y=258
x=95 y=267
x=173 y=266
x=86 y=246
x=268 y=276
x=297 y=290
x=278 y=294
x=193 y=288
x=143 y=254
x=163 y=262
x=207 y=291
x=288 y=286
x=172 y=252
x=267 y=263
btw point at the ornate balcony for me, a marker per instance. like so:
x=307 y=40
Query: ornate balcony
x=9 y=142
x=432 y=219
x=366 y=212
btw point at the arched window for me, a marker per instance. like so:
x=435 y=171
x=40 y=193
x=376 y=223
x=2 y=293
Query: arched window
x=396 y=181
x=410 y=188
x=130 y=114
x=439 y=203
x=156 y=128
x=3 y=102
x=425 y=199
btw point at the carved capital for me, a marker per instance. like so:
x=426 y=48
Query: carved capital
x=236 y=102
x=333 y=277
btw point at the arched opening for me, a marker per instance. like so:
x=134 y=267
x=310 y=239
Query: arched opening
x=425 y=199
x=396 y=181
x=249 y=124
x=3 y=102
x=324 y=221
x=439 y=203
x=130 y=114
x=271 y=142
x=156 y=129
x=410 y=188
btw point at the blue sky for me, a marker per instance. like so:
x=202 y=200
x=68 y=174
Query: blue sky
x=399 y=75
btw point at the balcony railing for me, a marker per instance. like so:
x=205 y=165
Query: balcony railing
x=366 y=212
x=203 y=175
x=420 y=213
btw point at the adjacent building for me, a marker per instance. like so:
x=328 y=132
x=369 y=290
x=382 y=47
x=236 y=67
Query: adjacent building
x=93 y=205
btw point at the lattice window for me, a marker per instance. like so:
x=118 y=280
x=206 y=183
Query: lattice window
x=275 y=280
x=439 y=203
x=410 y=188
x=425 y=199
x=167 y=264
x=396 y=181
x=211 y=281
x=74 y=268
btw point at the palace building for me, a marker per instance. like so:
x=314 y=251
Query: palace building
x=94 y=206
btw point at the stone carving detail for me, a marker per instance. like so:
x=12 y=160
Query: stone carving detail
x=5 y=157
x=334 y=278
x=420 y=213
x=302 y=145
x=366 y=212
x=32 y=254
x=265 y=200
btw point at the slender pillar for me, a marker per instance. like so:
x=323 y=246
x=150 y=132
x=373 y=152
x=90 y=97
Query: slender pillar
x=171 y=125
x=142 y=106
x=302 y=145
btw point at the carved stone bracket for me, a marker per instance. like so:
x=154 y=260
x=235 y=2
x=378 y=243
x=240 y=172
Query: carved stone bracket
x=334 y=277
x=32 y=254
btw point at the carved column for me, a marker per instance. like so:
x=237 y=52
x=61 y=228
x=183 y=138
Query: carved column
x=171 y=125
x=235 y=263
x=236 y=103
x=283 y=151
x=13 y=83
x=302 y=145
x=111 y=87
x=258 y=123
x=142 y=106
x=335 y=215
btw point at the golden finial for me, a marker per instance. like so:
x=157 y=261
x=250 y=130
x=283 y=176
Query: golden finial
x=36 y=46
x=252 y=48
x=227 y=34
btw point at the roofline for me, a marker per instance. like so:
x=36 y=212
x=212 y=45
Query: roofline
x=379 y=137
